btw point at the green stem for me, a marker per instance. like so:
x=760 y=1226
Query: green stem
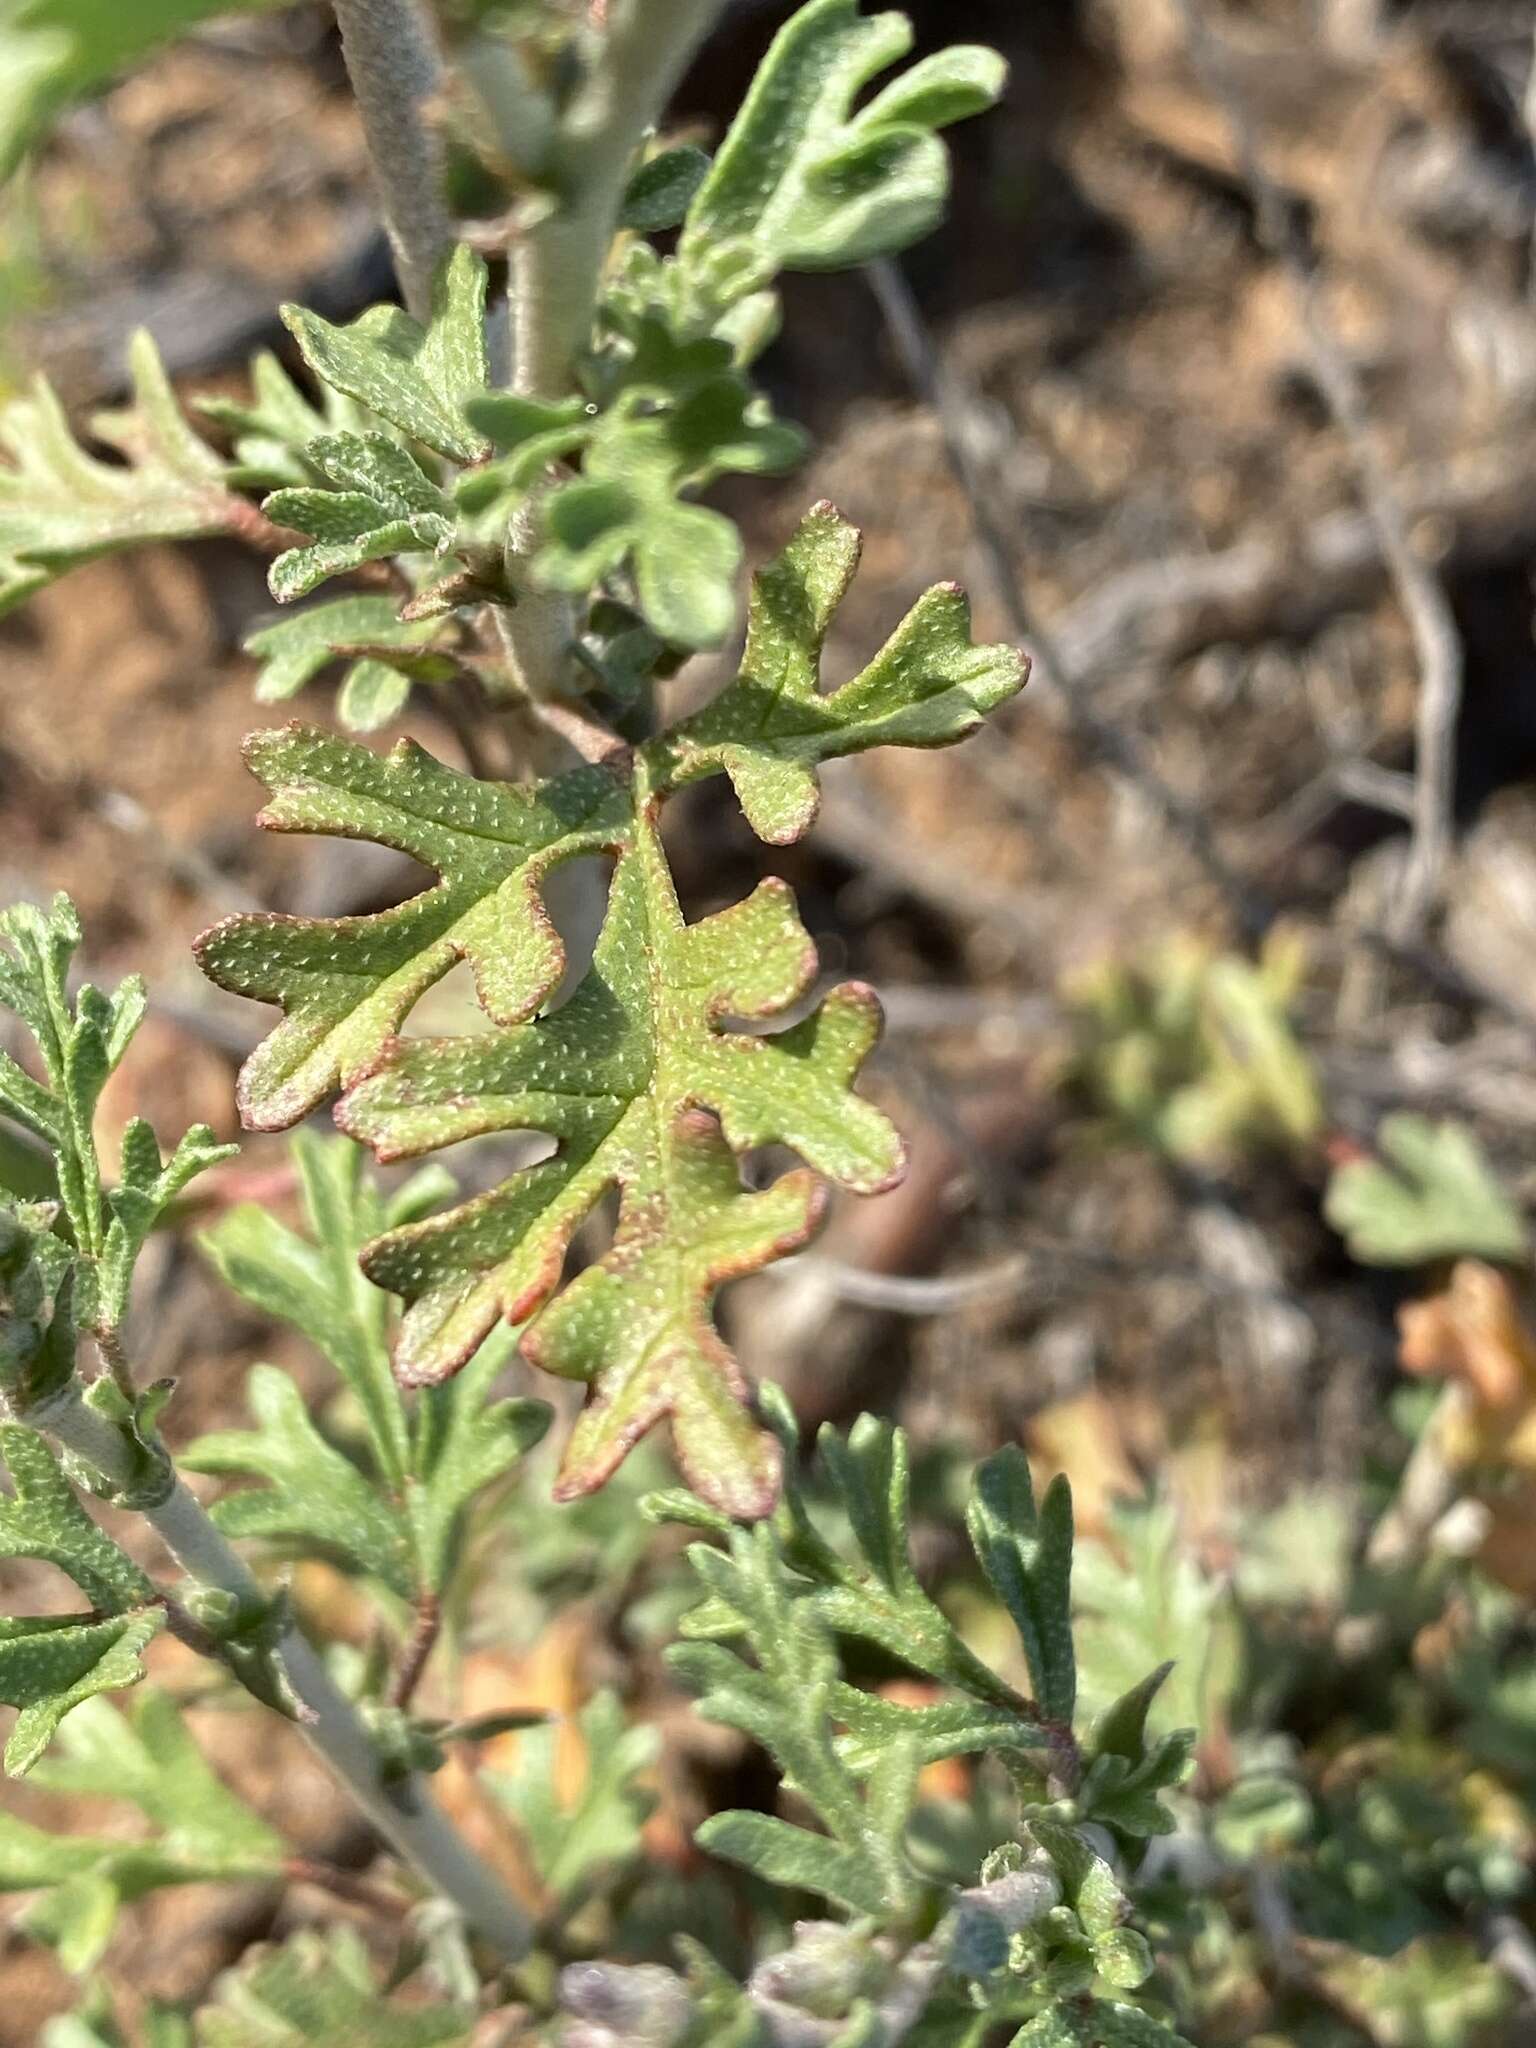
x=557 y=267
x=394 y=69
x=403 y=1811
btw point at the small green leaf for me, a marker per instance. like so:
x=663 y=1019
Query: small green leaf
x=1027 y=1556
x=1434 y=1197
x=147 y=1756
x=381 y=503
x=295 y=650
x=804 y=182
x=316 y=1500
x=276 y=424
x=60 y=506
x=318 y=1991
x=793 y=1859
x=661 y=191
x=929 y=686
x=314 y=1283
x=148 y=1187
x=600 y=1831
x=42 y=1519
x=626 y=508
x=417 y=378
x=462 y=1447
x=50 y=1665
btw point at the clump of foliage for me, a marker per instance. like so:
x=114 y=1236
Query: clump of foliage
x=1193 y=1052
x=536 y=541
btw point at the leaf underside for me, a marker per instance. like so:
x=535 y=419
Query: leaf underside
x=642 y=1077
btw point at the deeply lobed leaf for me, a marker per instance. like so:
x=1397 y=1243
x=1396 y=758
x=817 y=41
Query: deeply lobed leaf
x=348 y=983
x=929 y=686
x=648 y=1095
x=60 y=506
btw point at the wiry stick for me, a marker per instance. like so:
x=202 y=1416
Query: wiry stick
x=402 y=1810
x=1054 y=675
x=393 y=65
x=1424 y=602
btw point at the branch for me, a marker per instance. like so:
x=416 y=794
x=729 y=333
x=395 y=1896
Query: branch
x=557 y=266
x=403 y=1811
x=394 y=70
x=1419 y=591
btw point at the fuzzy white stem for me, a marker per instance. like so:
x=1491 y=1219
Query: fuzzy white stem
x=393 y=65
x=403 y=1811
x=557 y=267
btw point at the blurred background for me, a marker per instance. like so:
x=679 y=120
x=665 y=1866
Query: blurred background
x=1209 y=969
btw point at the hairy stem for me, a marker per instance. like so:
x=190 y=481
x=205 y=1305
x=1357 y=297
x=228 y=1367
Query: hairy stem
x=403 y=1811
x=393 y=65
x=557 y=267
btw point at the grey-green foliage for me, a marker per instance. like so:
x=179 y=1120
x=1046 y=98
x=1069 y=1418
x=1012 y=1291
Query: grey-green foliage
x=768 y=1650
x=571 y=1847
x=408 y=455
x=80 y=1038
x=317 y=1991
x=51 y=1664
x=60 y=505
x=201 y=1831
x=390 y=1504
x=1431 y=1195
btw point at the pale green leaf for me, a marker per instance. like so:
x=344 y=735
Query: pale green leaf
x=803 y=181
x=60 y=506
x=318 y=1991
x=51 y=1664
x=417 y=378
x=1027 y=1556
x=316 y=1501
x=1432 y=1195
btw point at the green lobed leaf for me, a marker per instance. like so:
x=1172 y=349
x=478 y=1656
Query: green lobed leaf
x=647 y=1093
x=416 y=378
x=315 y=1500
x=802 y=181
x=928 y=687
x=626 y=508
x=786 y=1702
x=1027 y=1557
x=313 y=1283
x=793 y=1859
x=383 y=653
x=427 y=1468
x=60 y=506
x=379 y=502
x=42 y=1519
x=273 y=427
x=318 y=1991
x=147 y=1188
x=147 y=1756
x=1432 y=1195
x=637 y=1077
x=51 y=1664
x=347 y=984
